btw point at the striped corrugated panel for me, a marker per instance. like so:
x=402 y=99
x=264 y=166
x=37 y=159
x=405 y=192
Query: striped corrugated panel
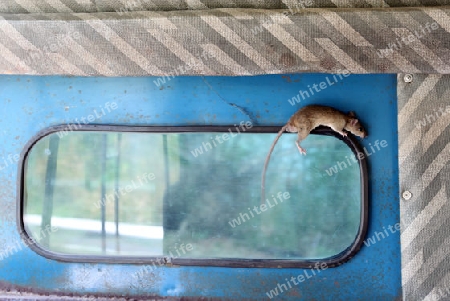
x=226 y=42
x=424 y=155
x=71 y=6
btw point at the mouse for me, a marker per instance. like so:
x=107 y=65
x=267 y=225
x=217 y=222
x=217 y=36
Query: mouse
x=308 y=118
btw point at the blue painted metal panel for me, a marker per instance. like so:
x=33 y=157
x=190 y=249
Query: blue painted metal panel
x=32 y=103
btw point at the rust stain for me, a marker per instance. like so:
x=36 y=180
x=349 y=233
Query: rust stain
x=270 y=48
x=328 y=63
x=287 y=60
x=14 y=290
x=287 y=78
x=295 y=293
x=382 y=66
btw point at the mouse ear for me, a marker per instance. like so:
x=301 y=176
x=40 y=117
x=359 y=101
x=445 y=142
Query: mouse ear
x=354 y=121
x=351 y=114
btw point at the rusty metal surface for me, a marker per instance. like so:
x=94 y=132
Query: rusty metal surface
x=12 y=292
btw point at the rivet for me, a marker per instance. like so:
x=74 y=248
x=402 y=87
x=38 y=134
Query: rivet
x=408 y=78
x=407 y=195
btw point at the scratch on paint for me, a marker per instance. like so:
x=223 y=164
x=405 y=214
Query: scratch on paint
x=241 y=109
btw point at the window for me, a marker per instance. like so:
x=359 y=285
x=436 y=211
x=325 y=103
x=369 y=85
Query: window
x=193 y=195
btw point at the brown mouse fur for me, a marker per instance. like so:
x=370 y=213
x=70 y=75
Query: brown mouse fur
x=308 y=118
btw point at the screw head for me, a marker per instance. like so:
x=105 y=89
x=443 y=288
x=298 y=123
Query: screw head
x=407 y=195
x=408 y=78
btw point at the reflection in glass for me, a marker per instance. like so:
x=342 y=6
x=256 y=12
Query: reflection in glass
x=191 y=195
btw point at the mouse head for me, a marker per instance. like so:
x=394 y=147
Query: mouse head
x=354 y=126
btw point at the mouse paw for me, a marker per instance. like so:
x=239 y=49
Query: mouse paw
x=301 y=150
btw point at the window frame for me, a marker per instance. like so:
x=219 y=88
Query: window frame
x=330 y=262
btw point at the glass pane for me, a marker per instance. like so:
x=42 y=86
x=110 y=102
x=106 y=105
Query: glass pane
x=193 y=195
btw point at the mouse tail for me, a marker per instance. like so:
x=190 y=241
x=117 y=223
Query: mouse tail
x=263 y=177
